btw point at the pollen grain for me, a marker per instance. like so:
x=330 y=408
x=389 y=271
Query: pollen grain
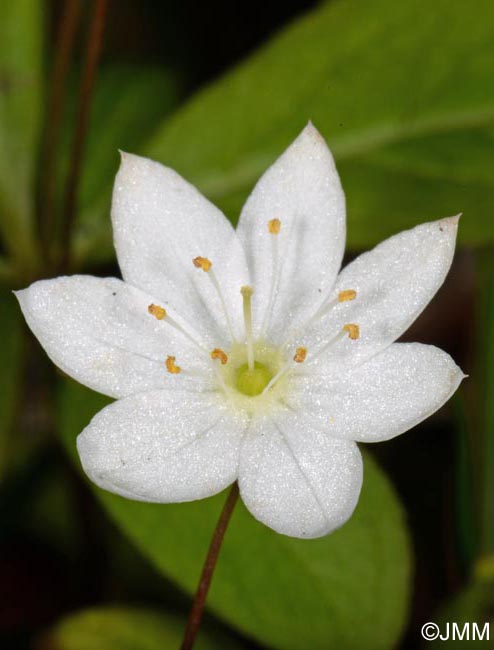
x=171 y=367
x=348 y=294
x=300 y=355
x=158 y=312
x=274 y=226
x=353 y=331
x=202 y=263
x=217 y=353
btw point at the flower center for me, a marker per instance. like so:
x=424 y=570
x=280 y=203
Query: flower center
x=253 y=381
x=242 y=381
x=252 y=374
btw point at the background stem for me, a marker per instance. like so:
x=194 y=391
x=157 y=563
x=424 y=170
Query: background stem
x=93 y=51
x=485 y=369
x=55 y=106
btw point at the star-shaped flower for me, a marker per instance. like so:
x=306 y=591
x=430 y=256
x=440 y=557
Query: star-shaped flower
x=243 y=354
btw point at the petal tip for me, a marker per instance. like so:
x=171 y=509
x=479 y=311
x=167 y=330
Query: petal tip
x=311 y=132
x=127 y=158
x=22 y=295
x=132 y=163
x=452 y=222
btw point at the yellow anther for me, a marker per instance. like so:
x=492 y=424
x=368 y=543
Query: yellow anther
x=353 y=331
x=274 y=226
x=345 y=296
x=202 y=263
x=300 y=355
x=171 y=367
x=157 y=311
x=219 y=354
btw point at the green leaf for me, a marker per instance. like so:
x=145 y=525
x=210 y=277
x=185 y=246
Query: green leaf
x=128 y=628
x=21 y=30
x=348 y=590
x=403 y=95
x=129 y=101
x=10 y=373
x=472 y=605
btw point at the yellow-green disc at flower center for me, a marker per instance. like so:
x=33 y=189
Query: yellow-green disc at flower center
x=253 y=382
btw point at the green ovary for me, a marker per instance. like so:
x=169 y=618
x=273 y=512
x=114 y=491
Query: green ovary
x=253 y=382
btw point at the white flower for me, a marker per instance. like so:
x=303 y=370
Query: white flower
x=242 y=355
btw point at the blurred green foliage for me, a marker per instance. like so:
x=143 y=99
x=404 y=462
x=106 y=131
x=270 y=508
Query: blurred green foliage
x=128 y=104
x=21 y=94
x=473 y=605
x=11 y=332
x=126 y=628
x=403 y=95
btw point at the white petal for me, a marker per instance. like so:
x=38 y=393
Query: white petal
x=379 y=399
x=296 y=480
x=163 y=446
x=161 y=223
x=302 y=189
x=100 y=333
x=394 y=283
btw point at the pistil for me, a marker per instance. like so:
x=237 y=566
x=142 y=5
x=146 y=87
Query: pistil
x=247 y=292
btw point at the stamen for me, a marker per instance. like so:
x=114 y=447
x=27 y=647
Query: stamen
x=247 y=292
x=348 y=294
x=217 y=353
x=202 y=263
x=226 y=389
x=158 y=312
x=205 y=264
x=343 y=296
x=274 y=226
x=353 y=331
x=171 y=367
x=300 y=355
x=277 y=377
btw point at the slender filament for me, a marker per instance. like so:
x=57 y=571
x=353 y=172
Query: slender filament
x=216 y=285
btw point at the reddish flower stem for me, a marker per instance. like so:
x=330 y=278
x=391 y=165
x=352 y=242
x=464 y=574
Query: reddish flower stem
x=55 y=106
x=197 y=610
x=93 y=51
